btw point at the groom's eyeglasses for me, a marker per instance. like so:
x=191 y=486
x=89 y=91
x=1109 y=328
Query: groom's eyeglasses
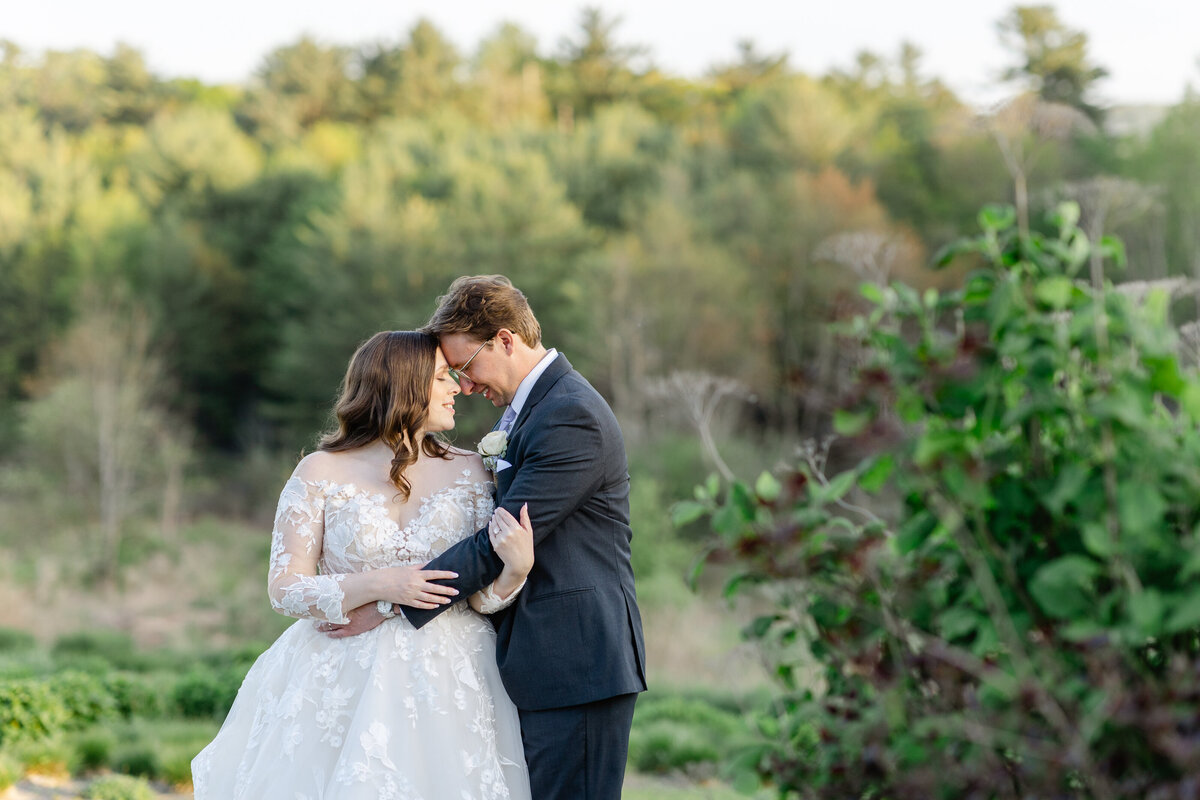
x=461 y=372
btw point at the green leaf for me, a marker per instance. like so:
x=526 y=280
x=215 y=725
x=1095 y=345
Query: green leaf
x=1066 y=216
x=741 y=499
x=1191 y=567
x=839 y=486
x=932 y=445
x=767 y=487
x=1156 y=307
x=726 y=520
x=995 y=218
x=956 y=622
x=1165 y=376
x=850 y=423
x=1123 y=405
x=1063 y=587
x=761 y=626
x=914 y=531
x=1070 y=480
x=1146 y=610
x=687 y=511
x=876 y=475
x=1113 y=249
x=1186 y=614
x=1097 y=540
x=1140 y=507
x=1055 y=291
x=947 y=254
x=871 y=292
x=1190 y=400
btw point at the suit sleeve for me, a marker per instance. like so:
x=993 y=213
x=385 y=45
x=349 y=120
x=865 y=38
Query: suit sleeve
x=560 y=469
x=562 y=466
x=477 y=566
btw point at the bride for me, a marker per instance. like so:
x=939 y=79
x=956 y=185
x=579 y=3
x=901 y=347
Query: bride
x=394 y=712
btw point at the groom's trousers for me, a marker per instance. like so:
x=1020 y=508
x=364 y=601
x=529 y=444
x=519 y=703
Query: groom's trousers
x=578 y=752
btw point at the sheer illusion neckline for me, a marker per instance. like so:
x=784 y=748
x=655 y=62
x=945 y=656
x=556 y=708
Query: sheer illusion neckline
x=424 y=506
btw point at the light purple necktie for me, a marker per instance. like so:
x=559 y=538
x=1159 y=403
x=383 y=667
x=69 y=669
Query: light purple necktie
x=507 y=419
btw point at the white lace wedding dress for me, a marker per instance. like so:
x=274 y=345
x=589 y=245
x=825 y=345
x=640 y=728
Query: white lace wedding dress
x=392 y=714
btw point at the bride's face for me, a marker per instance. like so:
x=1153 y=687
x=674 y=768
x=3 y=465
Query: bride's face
x=441 y=397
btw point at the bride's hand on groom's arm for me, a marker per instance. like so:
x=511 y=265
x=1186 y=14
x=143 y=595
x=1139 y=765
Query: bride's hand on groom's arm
x=414 y=586
x=513 y=542
x=409 y=585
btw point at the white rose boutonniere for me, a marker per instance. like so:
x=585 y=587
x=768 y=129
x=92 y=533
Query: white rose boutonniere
x=492 y=448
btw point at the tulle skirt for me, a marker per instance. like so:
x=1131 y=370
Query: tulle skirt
x=392 y=714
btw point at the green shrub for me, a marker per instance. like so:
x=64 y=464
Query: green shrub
x=669 y=746
x=12 y=640
x=137 y=758
x=697 y=713
x=86 y=698
x=89 y=650
x=29 y=711
x=10 y=771
x=119 y=787
x=47 y=756
x=204 y=692
x=675 y=732
x=94 y=749
x=142 y=695
x=24 y=664
x=1002 y=592
x=177 y=764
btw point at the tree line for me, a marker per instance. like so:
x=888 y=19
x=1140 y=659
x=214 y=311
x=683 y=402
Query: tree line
x=207 y=257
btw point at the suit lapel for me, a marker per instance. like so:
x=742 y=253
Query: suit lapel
x=553 y=374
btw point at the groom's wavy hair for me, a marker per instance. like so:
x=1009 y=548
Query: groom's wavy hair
x=385 y=396
x=480 y=305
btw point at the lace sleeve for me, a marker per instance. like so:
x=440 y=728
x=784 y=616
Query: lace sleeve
x=295 y=587
x=490 y=602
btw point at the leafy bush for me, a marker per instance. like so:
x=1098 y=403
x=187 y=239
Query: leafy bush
x=12 y=640
x=47 y=756
x=140 y=695
x=137 y=758
x=205 y=692
x=10 y=771
x=88 y=650
x=670 y=746
x=675 y=732
x=94 y=749
x=29 y=710
x=1026 y=614
x=87 y=699
x=119 y=787
x=177 y=764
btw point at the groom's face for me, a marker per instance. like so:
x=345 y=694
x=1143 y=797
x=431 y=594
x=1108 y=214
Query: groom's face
x=485 y=374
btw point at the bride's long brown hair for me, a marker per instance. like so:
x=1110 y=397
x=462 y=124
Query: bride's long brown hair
x=385 y=397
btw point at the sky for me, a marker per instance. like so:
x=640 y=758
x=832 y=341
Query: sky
x=1150 y=47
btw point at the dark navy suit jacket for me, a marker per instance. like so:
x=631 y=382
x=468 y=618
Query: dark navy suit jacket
x=574 y=633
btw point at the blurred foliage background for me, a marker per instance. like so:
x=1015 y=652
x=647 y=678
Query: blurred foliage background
x=185 y=270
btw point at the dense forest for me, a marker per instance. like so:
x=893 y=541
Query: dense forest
x=238 y=241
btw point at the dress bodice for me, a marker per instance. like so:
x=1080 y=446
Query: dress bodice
x=325 y=530
x=359 y=534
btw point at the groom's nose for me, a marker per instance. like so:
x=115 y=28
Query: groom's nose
x=466 y=385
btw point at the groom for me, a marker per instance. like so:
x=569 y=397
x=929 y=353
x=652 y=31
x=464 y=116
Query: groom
x=570 y=648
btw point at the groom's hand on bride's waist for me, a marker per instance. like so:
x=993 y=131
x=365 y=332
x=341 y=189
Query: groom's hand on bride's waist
x=362 y=619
